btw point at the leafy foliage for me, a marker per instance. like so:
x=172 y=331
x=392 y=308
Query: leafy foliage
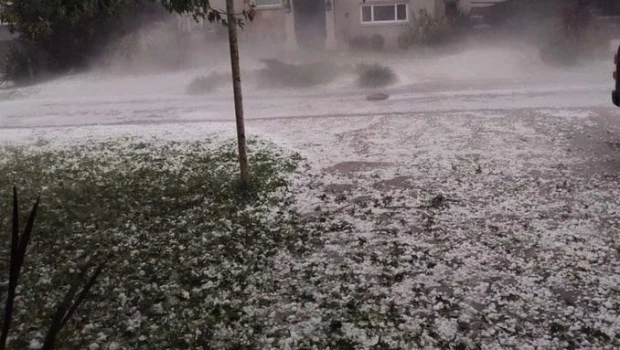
x=287 y=75
x=70 y=33
x=152 y=47
x=74 y=297
x=203 y=9
x=21 y=63
x=375 y=75
x=67 y=33
x=426 y=30
x=19 y=244
x=37 y=20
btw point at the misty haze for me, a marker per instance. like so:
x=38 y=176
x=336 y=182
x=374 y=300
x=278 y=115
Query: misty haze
x=384 y=174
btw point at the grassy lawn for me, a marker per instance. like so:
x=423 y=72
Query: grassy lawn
x=188 y=250
x=194 y=262
x=348 y=257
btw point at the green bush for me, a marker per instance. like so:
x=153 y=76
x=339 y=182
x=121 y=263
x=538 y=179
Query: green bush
x=155 y=47
x=286 y=75
x=427 y=30
x=22 y=63
x=4 y=49
x=69 y=34
x=375 y=75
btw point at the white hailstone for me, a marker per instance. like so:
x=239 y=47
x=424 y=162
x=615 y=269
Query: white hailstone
x=142 y=338
x=447 y=328
x=35 y=344
x=93 y=346
x=158 y=308
x=114 y=346
x=44 y=280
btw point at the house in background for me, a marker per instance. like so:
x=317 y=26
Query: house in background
x=333 y=24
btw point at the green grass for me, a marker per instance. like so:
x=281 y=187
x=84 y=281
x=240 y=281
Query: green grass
x=184 y=241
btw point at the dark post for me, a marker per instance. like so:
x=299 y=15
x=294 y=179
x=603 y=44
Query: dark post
x=615 y=95
x=236 y=78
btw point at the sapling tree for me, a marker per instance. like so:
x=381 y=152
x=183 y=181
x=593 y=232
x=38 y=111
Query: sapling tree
x=202 y=9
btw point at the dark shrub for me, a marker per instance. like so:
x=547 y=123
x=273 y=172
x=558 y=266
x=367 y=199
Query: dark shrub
x=285 y=75
x=427 y=30
x=375 y=75
x=22 y=63
x=4 y=48
x=73 y=298
x=68 y=34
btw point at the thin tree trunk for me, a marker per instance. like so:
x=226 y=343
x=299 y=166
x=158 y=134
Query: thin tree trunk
x=236 y=77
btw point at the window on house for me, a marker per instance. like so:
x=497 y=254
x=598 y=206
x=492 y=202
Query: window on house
x=366 y=13
x=267 y=3
x=380 y=13
x=401 y=12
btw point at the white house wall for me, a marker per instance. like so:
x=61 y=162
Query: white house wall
x=349 y=23
x=344 y=22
